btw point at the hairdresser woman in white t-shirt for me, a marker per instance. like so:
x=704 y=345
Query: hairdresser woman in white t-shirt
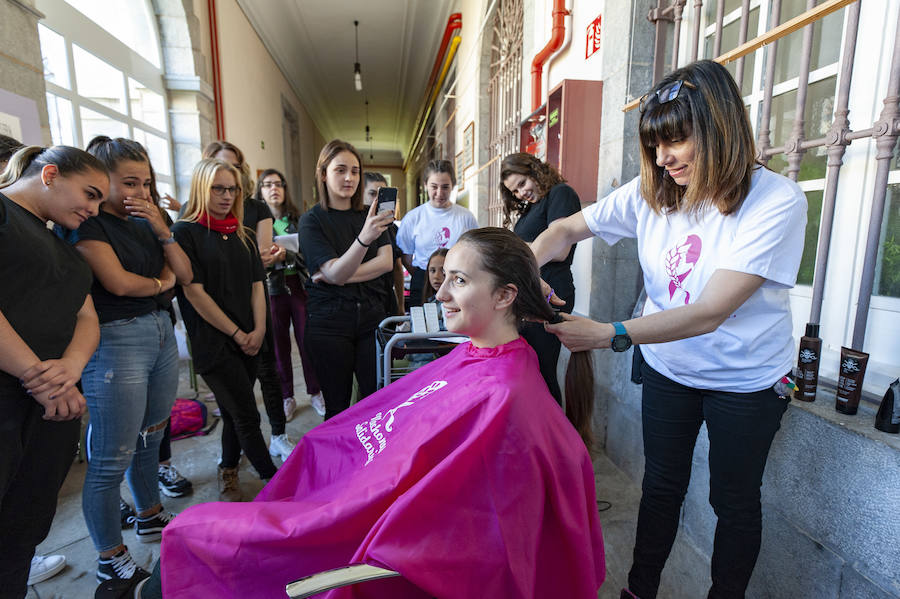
x=719 y=241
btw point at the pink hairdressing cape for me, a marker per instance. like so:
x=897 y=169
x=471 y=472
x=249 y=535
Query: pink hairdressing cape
x=464 y=476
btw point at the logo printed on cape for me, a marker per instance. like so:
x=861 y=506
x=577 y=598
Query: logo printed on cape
x=372 y=428
x=679 y=263
x=442 y=237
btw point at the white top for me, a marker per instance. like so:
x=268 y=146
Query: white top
x=753 y=348
x=426 y=228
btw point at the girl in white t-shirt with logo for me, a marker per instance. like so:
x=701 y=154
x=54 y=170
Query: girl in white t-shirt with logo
x=719 y=241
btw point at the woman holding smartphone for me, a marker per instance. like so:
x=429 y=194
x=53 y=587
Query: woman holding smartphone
x=347 y=250
x=224 y=310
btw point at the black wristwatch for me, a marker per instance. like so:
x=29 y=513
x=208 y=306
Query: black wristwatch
x=621 y=341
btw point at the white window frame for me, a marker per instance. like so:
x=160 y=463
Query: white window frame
x=76 y=28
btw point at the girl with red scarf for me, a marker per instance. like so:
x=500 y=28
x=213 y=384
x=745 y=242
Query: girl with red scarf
x=224 y=311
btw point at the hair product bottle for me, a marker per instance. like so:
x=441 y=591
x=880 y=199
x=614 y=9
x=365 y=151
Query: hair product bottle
x=888 y=417
x=850 y=380
x=808 y=364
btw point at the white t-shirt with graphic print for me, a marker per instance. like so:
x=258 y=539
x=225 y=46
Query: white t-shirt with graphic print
x=426 y=229
x=753 y=348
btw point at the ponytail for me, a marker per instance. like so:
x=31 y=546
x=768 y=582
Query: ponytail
x=511 y=261
x=29 y=160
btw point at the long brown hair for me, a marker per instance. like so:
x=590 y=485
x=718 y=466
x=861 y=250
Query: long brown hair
x=243 y=168
x=332 y=149
x=201 y=188
x=28 y=161
x=511 y=261
x=288 y=206
x=522 y=163
x=427 y=289
x=709 y=111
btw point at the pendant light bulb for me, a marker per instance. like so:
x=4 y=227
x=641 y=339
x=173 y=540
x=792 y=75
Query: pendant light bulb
x=357 y=73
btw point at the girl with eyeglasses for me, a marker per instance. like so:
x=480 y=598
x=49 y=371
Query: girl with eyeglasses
x=48 y=332
x=258 y=220
x=285 y=278
x=224 y=310
x=719 y=239
x=346 y=250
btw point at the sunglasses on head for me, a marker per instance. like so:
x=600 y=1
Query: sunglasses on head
x=667 y=93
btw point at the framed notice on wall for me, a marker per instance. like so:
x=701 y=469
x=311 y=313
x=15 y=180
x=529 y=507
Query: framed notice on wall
x=469 y=145
x=460 y=169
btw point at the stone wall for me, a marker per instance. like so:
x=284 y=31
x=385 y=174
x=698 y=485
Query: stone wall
x=21 y=68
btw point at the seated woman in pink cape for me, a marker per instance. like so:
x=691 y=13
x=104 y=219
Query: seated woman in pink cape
x=464 y=476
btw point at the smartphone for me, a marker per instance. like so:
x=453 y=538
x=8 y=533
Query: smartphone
x=387 y=199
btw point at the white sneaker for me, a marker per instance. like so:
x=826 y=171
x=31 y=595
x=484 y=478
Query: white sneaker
x=290 y=406
x=318 y=403
x=44 y=567
x=281 y=446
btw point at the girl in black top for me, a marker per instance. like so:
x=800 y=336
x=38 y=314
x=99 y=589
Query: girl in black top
x=258 y=219
x=537 y=194
x=48 y=331
x=346 y=250
x=224 y=310
x=131 y=380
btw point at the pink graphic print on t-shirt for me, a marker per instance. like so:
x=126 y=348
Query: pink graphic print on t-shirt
x=680 y=261
x=442 y=237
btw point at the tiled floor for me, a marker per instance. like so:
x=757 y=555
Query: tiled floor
x=196 y=458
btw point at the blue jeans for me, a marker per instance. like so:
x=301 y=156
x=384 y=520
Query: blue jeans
x=741 y=427
x=130 y=385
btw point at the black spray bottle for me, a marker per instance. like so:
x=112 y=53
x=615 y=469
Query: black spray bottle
x=888 y=417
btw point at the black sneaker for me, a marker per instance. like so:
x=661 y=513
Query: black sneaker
x=121 y=566
x=150 y=529
x=125 y=513
x=171 y=483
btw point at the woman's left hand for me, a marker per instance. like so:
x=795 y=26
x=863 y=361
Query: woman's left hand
x=581 y=334
x=147 y=210
x=252 y=341
x=57 y=375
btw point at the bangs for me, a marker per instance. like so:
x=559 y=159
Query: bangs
x=665 y=122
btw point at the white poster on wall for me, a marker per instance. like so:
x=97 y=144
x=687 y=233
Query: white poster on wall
x=10 y=126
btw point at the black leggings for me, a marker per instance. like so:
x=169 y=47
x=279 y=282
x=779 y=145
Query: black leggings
x=341 y=342
x=231 y=381
x=35 y=456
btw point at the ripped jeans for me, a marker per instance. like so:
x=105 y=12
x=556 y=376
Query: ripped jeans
x=130 y=385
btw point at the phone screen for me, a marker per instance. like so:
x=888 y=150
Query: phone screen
x=387 y=199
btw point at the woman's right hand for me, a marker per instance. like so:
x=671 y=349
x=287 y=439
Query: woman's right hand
x=375 y=224
x=68 y=405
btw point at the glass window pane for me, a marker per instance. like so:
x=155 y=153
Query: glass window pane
x=887 y=269
x=62 y=121
x=158 y=148
x=130 y=23
x=710 y=7
x=53 y=54
x=730 y=37
x=99 y=81
x=811 y=240
x=146 y=105
x=819 y=114
x=826 y=44
x=94 y=123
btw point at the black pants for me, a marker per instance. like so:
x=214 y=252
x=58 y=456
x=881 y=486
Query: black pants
x=231 y=381
x=741 y=427
x=35 y=456
x=546 y=346
x=341 y=342
x=416 y=282
x=270 y=384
